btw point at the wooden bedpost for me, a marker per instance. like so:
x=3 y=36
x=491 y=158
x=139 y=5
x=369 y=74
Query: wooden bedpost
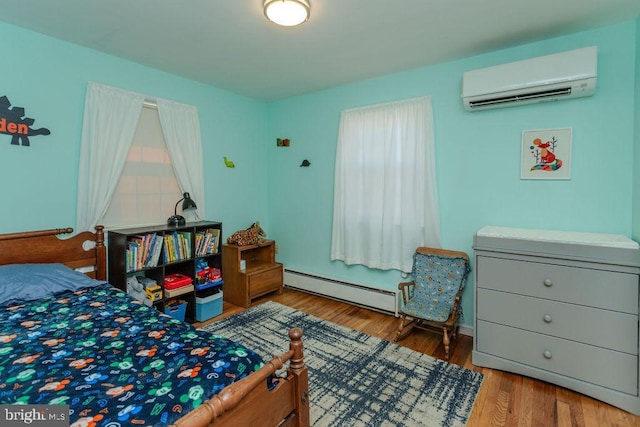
x=299 y=370
x=101 y=254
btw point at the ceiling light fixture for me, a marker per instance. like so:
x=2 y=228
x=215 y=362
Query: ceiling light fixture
x=287 y=13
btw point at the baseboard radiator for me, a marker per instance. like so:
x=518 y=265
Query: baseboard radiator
x=365 y=296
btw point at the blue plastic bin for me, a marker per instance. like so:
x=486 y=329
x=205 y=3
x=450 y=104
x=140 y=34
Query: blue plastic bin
x=177 y=311
x=208 y=306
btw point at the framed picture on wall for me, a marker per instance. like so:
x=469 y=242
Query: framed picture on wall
x=546 y=154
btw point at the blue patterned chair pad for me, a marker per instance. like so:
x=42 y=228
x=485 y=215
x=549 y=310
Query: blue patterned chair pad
x=437 y=280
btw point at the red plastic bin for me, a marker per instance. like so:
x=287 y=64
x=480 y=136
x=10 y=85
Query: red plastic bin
x=174 y=281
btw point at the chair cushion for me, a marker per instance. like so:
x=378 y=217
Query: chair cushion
x=437 y=281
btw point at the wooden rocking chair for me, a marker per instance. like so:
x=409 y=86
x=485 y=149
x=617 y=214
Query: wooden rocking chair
x=432 y=299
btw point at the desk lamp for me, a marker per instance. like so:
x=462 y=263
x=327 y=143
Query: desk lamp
x=176 y=220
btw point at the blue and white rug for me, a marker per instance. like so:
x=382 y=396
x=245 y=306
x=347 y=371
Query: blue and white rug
x=356 y=379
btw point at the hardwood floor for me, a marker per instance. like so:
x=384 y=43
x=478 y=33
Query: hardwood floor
x=505 y=399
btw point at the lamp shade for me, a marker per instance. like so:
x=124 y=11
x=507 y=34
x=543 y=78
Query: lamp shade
x=188 y=203
x=287 y=12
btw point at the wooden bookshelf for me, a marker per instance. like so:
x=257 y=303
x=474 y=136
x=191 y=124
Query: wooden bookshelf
x=185 y=255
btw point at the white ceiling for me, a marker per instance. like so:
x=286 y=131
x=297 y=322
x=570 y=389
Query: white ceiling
x=230 y=44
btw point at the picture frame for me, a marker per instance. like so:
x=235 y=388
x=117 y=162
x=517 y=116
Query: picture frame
x=546 y=154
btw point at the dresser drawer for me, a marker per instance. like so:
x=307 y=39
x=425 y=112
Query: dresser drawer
x=590 y=287
x=265 y=281
x=587 y=325
x=612 y=369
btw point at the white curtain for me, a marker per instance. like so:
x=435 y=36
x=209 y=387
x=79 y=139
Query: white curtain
x=110 y=121
x=181 y=129
x=385 y=197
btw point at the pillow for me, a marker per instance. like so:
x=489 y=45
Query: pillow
x=34 y=281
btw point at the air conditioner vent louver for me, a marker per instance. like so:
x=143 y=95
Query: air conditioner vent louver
x=563 y=75
x=521 y=98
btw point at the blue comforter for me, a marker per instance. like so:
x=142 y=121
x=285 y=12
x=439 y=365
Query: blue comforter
x=113 y=360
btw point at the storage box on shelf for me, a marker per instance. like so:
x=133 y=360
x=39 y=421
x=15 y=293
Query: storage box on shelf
x=176 y=309
x=157 y=253
x=209 y=304
x=261 y=273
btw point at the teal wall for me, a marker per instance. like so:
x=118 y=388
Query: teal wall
x=477 y=156
x=48 y=78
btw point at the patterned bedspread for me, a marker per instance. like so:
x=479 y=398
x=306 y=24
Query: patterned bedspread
x=113 y=360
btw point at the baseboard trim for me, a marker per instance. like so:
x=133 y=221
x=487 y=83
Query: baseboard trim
x=361 y=295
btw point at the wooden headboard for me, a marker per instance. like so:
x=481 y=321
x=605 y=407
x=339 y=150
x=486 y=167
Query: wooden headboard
x=85 y=250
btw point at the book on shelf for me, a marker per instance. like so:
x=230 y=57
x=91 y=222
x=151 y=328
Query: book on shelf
x=207 y=241
x=177 y=246
x=169 y=254
x=200 y=239
x=149 y=255
x=135 y=247
x=142 y=252
x=157 y=250
x=215 y=241
x=132 y=253
x=184 y=238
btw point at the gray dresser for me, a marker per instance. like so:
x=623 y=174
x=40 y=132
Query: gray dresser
x=561 y=307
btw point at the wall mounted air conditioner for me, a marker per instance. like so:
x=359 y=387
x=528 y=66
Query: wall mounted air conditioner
x=563 y=75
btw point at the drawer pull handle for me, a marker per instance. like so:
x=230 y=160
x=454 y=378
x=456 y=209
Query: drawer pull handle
x=547 y=354
x=548 y=283
x=547 y=318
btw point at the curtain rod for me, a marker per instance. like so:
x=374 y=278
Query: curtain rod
x=386 y=104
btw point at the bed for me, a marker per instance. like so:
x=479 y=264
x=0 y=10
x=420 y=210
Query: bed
x=70 y=338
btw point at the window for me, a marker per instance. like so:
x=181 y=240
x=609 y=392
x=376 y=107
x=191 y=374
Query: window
x=385 y=200
x=147 y=190
x=111 y=119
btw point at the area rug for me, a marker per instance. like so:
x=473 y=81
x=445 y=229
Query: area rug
x=356 y=379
